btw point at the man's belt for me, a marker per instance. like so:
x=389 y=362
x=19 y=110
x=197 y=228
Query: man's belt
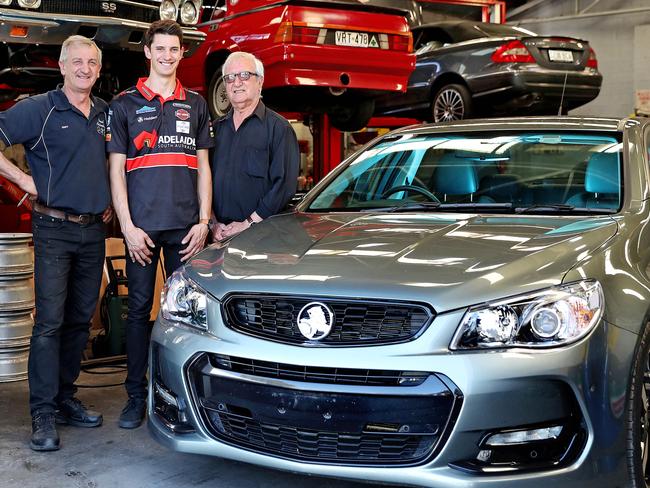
x=83 y=219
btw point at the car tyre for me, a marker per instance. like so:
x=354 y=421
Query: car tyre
x=451 y=102
x=638 y=415
x=353 y=117
x=217 y=97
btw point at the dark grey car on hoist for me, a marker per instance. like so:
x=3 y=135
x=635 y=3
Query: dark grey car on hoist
x=468 y=68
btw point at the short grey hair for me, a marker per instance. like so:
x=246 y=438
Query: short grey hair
x=259 y=67
x=78 y=40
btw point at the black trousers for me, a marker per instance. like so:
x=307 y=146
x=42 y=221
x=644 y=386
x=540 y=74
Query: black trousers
x=142 y=283
x=68 y=264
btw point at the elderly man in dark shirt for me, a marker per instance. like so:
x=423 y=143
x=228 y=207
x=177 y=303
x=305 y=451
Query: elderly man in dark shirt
x=256 y=159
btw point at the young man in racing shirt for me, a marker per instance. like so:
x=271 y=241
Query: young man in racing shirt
x=158 y=138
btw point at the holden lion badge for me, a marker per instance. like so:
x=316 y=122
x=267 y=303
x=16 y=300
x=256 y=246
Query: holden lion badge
x=315 y=321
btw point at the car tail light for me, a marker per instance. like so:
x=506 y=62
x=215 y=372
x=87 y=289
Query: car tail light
x=305 y=35
x=402 y=43
x=592 y=62
x=512 y=52
x=299 y=34
x=284 y=32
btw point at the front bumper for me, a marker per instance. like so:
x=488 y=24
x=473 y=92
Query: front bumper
x=491 y=391
x=108 y=32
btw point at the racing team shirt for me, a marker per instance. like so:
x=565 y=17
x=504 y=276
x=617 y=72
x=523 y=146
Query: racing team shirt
x=160 y=138
x=64 y=149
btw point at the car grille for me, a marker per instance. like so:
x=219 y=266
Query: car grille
x=311 y=374
x=307 y=443
x=356 y=322
x=94 y=8
x=350 y=424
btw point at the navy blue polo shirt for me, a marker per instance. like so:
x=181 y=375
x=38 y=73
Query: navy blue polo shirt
x=65 y=150
x=160 y=138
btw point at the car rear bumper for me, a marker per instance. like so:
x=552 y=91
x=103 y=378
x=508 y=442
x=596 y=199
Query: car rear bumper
x=53 y=29
x=336 y=67
x=535 y=86
x=523 y=393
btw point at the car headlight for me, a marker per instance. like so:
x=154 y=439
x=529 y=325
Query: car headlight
x=190 y=12
x=551 y=317
x=183 y=301
x=168 y=10
x=29 y=3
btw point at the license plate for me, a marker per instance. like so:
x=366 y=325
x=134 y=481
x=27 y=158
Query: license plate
x=351 y=39
x=560 y=56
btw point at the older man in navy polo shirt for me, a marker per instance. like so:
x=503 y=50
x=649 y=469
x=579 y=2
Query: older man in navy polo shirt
x=63 y=133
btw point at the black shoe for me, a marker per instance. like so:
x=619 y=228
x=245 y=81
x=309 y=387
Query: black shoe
x=71 y=411
x=133 y=413
x=44 y=435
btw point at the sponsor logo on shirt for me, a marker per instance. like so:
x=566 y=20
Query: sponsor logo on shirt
x=181 y=105
x=182 y=114
x=182 y=127
x=145 y=109
x=142 y=119
x=185 y=140
x=145 y=139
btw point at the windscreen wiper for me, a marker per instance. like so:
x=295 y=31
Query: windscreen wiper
x=545 y=207
x=563 y=207
x=405 y=207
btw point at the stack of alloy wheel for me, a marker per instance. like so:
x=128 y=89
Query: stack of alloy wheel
x=16 y=305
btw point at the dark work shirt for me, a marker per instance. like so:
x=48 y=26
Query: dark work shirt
x=64 y=149
x=255 y=168
x=160 y=138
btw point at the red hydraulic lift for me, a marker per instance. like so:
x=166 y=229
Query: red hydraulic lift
x=328 y=141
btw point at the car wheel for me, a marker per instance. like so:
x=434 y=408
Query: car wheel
x=451 y=102
x=638 y=415
x=351 y=117
x=217 y=97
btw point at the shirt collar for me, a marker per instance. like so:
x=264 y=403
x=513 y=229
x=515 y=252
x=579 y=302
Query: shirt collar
x=61 y=102
x=259 y=112
x=148 y=94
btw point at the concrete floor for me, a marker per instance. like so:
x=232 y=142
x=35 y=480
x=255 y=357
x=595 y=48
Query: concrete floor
x=117 y=458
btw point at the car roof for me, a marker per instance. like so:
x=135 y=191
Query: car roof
x=464 y=30
x=530 y=123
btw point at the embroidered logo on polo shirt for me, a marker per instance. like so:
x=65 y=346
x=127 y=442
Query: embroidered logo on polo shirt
x=101 y=127
x=182 y=127
x=182 y=114
x=181 y=105
x=142 y=119
x=145 y=139
x=145 y=109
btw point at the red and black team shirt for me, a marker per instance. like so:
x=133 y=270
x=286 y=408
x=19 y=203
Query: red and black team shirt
x=160 y=138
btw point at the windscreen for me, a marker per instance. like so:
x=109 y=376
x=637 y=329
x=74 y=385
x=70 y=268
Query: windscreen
x=548 y=171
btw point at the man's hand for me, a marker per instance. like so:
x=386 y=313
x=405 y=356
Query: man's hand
x=195 y=239
x=27 y=184
x=217 y=231
x=139 y=245
x=107 y=215
x=235 y=228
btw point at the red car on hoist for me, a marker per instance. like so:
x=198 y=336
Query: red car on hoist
x=319 y=56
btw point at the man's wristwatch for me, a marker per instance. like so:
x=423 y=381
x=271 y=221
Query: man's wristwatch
x=249 y=220
x=207 y=222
